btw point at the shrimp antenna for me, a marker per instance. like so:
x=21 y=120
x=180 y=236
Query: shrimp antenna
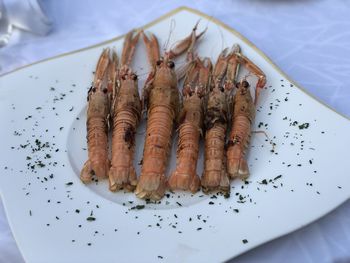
x=172 y=28
x=209 y=21
x=223 y=42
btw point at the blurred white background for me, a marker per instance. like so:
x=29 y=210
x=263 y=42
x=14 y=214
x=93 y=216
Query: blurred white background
x=308 y=39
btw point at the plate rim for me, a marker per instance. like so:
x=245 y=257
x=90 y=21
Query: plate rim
x=231 y=30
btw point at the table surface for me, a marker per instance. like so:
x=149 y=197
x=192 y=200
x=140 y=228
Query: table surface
x=308 y=39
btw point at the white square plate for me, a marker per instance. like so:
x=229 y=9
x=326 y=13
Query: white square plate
x=42 y=147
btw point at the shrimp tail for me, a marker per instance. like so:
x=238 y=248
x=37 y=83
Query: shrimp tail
x=237 y=167
x=153 y=186
x=122 y=178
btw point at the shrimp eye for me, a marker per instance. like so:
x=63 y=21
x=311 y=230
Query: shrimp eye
x=94 y=89
x=245 y=84
x=123 y=77
x=104 y=90
x=159 y=62
x=134 y=77
x=171 y=64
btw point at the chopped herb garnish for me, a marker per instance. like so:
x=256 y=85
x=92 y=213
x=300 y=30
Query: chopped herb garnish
x=138 y=207
x=263 y=181
x=277 y=177
x=304 y=126
x=245 y=241
x=90 y=218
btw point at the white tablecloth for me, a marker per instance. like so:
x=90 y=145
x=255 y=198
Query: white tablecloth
x=309 y=40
